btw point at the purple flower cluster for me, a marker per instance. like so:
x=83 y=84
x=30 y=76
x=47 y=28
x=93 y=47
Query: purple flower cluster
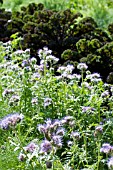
x=106 y=148
x=53 y=133
x=10 y=120
x=46 y=146
x=30 y=147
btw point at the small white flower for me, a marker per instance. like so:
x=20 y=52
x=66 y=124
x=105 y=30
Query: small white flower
x=33 y=60
x=47 y=101
x=105 y=94
x=82 y=66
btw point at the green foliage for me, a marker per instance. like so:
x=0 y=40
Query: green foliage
x=5 y=16
x=100 y=10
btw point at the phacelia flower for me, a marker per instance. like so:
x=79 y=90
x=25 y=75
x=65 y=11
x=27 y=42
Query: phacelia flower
x=21 y=157
x=25 y=63
x=56 y=123
x=33 y=60
x=7 y=92
x=10 y=120
x=105 y=94
x=93 y=76
x=87 y=108
x=57 y=140
x=14 y=99
x=47 y=101
x=82 y=66
x=30 y=147
x=98 y=130
x=42 y=128
x=106 y=148
x=69 y=143
x=60 y=131
x=34 y=101
x=66 y=119
x=110 y=163
x=42 y=53
x=52 y=58
x=75 y=135
x=45 y=146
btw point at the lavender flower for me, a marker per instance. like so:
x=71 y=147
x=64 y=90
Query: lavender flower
x=10 y=120
x=56 y=123
x=60 y=131
x=42 y=128
x=34 y=101
x=82 y=66
x=43 y=53
x=106 y=148
x=21 y=157
x=105 y=94
x=93 y=76
x=57 y=140
x=33 y=60
x=30 y=147
x=45 y=146
x=87 y=108
x=75 y=135
x=98 y=130
x=14 y=99
x=7 y=91
x=51 y=58
x=69 y=143
x=110 y=163
x=47 y=101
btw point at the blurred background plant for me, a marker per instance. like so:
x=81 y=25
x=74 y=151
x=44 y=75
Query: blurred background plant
x=100 y=10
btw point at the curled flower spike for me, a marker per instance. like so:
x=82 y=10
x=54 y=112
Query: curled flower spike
x=98 y=130
x=10 y=120
x=57 y=140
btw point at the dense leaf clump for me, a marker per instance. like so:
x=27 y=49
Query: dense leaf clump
x=5 y=16
x=68 y=35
